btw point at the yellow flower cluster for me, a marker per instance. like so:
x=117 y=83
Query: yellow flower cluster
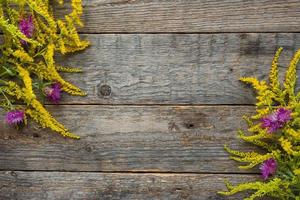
x=22 y=55
x=274 y=188
x=252 y=158
x=280 y=143
x=13 y=32
x=28 y=61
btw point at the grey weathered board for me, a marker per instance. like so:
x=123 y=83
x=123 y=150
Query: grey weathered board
x=105 y=186
x=130 y=138
x=175 y=68
x=158 y=76
x=189 y=16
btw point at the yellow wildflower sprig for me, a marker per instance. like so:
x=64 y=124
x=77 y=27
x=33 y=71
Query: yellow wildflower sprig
x=274 y=81
x=13 y=31
x=32 y=37
x=291 y=77
x=275 y=127
x=274 y=188
x=252 y=158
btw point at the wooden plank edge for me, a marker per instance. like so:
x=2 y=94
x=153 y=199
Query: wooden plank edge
x=82 y=185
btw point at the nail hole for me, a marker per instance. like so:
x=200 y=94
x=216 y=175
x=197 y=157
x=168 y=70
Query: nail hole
x=88 y=149
x=189 y=125
x=36 y=135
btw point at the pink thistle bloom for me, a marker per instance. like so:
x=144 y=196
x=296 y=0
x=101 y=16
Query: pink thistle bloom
x=268 y=168
x=15 y=117
x=283 y=115
x=26 y=26
x=53 y=92
x=276 y=120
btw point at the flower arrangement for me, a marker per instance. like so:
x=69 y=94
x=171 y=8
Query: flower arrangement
x=32 y=36
x=275 y=128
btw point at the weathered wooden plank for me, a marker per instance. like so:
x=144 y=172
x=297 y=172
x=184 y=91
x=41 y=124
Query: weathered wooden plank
x=129 y=138
x=175 y=68
x=71 y=185
x=189 y=16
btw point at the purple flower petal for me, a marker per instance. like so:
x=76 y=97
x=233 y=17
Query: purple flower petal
x=276 y=120
x=268 y=168
x=15 y=117
x=283 y=115
x=53 y=92
x=26 y=26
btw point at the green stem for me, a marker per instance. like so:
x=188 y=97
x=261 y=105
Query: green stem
x=8 y=101
x=4 y=73
x=2 y=81
x=39 y=53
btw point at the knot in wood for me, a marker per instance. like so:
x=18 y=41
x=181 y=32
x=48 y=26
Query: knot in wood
x=105 y=90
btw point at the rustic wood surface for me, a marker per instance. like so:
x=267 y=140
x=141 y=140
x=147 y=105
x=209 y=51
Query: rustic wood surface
x=163 y=98
x=130 y=138
x=105 y=186
x=175 y=68
x=189 y=16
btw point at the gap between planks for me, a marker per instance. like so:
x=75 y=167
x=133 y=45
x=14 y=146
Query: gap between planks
x=179 y=33
x=184 y=33
x=146 y=105
x=137 y=172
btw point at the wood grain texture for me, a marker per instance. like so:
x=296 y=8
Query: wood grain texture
x=175 y=68
x=102 y=186
x=132 y=149
x=130 y=138
x=102 y=16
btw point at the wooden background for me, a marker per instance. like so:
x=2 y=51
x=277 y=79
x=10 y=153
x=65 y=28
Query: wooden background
x=163 y=98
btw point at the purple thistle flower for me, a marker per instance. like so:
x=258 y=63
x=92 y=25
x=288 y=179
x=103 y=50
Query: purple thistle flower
x=276 y=120
x=26 y=26
x=15 y=117
x=53 y=92
x=268 y=168
x=283 y=115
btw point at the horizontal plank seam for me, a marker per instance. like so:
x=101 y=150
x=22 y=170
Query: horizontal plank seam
x=145 y=105
x=134 y=172
x=183 y=33
x=178 y=33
